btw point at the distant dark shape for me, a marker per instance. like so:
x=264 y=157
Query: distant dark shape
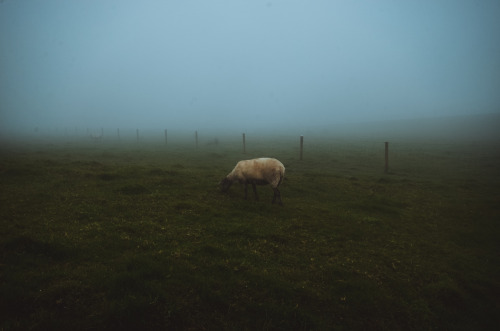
x=97 y=138
x=260 y=171
x=213 y=142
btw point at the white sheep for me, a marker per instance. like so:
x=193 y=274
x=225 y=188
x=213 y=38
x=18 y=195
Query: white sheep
x=260 y=171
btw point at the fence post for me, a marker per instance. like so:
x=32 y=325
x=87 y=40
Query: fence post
x=386 y=170
x=301 y=146
x=196 y=138
x=165 y=136
x=137 y=133
x=244 y=145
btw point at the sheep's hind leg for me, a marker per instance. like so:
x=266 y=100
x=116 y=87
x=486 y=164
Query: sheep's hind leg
x=255 y=191
x=278 y=195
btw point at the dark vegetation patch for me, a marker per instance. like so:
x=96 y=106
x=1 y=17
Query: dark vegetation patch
x=26 y=246
x=21 y=171
x=161 y=172
x=107 y=176
x=108 y=237
x=183 y=206
x=133 y=189
x=88 y=164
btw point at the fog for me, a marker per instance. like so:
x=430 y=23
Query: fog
x=241 y=65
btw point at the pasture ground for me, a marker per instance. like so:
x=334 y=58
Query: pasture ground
x=126 y=235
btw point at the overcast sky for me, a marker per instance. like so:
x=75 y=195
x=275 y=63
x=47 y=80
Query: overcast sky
x=245 y=64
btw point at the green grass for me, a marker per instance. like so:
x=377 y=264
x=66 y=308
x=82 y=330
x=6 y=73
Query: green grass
x=138 y=236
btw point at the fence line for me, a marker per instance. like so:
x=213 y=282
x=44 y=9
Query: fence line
x=404 y=154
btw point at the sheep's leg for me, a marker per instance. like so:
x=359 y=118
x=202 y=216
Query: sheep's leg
x=277 y=195
x=255 y=191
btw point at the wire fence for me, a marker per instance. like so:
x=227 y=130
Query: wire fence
x=396 y=155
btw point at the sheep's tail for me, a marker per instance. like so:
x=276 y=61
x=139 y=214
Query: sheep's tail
x=282 y=175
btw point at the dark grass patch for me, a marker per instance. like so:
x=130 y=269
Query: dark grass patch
x=163 y=172
x=19 y=171
x=133 y=189
x=107 y=176
x=23 y=246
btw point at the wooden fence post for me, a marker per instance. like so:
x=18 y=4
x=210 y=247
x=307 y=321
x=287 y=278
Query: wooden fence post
x=301 y=146
x=244 y=145
x=196 y=138
x=386 y=170
x=165 y=136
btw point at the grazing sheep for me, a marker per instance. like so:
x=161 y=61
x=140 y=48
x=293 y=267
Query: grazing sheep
x=260 y=171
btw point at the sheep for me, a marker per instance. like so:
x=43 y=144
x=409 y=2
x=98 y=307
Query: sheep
x=259 y=171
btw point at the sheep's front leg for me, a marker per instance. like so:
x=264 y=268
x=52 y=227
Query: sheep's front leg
x=255 y=191
x=277 y=195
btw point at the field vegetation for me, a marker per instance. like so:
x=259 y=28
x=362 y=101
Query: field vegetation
x=136 y=235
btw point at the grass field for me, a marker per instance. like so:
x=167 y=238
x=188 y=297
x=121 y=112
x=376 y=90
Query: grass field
x=137 y=236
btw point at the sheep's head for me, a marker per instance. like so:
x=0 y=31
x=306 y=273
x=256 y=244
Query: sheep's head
x=225 y=184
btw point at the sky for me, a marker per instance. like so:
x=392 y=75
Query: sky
x=244 y=64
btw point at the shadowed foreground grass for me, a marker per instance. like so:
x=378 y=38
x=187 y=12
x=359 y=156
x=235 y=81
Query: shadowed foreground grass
x=105 y=236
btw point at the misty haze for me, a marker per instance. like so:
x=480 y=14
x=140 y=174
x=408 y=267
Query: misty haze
x=243 y=65
x=124 y=204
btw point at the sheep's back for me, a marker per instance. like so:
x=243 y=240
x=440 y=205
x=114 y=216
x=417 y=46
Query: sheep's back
x=259 y=171
x=266 y=170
